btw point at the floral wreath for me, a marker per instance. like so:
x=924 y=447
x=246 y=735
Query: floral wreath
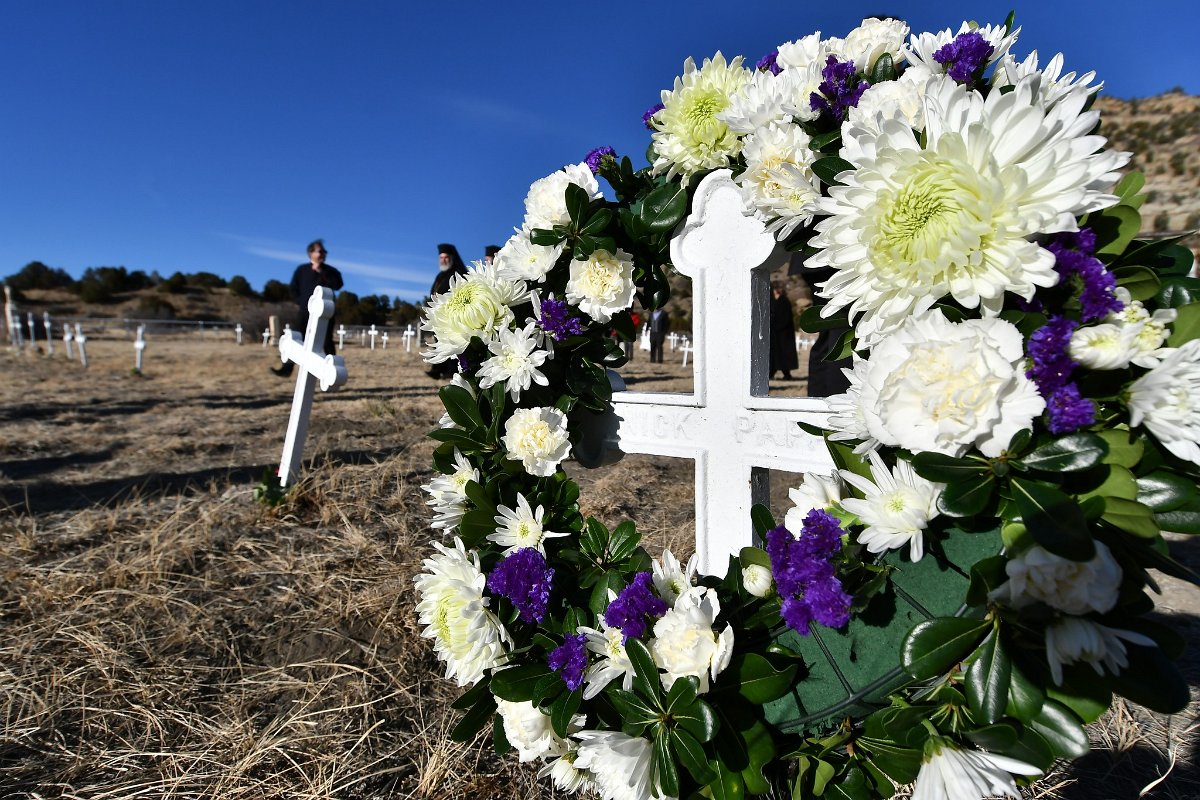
x=1021 y=426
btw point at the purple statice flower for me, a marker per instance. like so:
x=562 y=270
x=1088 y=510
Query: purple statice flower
x=1069 y=410
x=1048 y=349
x=647 y=117
x=838 y=92
x=596 y=157
x=557 y=320
x=805 y=575
x=965 y=57
x=524 y=578
x=635 y=606
x=767 y=63
x=1074 y=254
x=570 y=660
x=464 y=365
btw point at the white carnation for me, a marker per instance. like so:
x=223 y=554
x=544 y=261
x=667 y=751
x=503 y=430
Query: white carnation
x=873 y=39
x=1166 y=400
x=684 y=642
x=537 y=437
x=530 y=732
x=778 y=184
x=1072 y=587
x=902 y=99
x=757 y=579
x=601 y=285
x=800 y=53
x=546 y=203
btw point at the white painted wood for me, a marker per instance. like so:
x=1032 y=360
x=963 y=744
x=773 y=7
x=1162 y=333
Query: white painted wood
x=266 y=336
x=409 y=333
x=730 y=427
x=49 y=328
x=139 y=346
x=68 y=337
x=341 y=334
x=32 y=330
x=673 y=338
x=238 y=331
x=644 y=340
x=384 y=337
x=313 y=367
x=81 y=343
x=9 y=310
x=686 y=350
x=372 y=333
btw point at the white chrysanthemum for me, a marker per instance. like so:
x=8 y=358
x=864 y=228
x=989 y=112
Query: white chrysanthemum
x=601 y=285
x=689 y=138
x=521 y=527
x=896 y=506
x=619 y=764
x=800 y=53
x=946 y=387
x=448 y=493
x=529 y=730
x=796 y=87
x=914 y=223
x=951 y=773
x=684 y=642
x=458 y=380
x=515 y=361
x=847 y=420
x=873 y=39
x=521 y=259
x=454 y=611
x=1072 y=587
x=1166 y=400
x=816 y=491
x=1148 y=332
x=609 y=644
x=477 y=304
x=758 y=580
x=565 y=774
x=778 y=184
x=922 y=46
x=537 y=437
x=757 y=105
x=1052 y=85
x=546 y=203
x=1073 y=639
x=902 y=99
x=670 y=579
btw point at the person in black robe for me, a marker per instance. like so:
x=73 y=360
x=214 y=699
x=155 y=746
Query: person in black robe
x=305 y=279
x=825 y=377
x=450 y=263
x=783 y=334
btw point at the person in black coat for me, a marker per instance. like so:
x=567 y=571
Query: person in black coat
x=783 y=334
x=305 y=279
x=659 y=323
x=450 y=263
x=825 y=377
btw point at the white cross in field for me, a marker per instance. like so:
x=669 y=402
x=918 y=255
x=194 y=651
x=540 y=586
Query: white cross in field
x=673 y=338
x=139 y=345
x=362 y=336
x=341 y=334
x=67 y=337
x=687 y=350
x=46 y=324
x=644 y=341
x=81 y=340
x=409 y=333
x=730 y=427
x=373 y=333
x=266 y=336
x=314 y=366
x=238 y=331
x=383 y=337
x=32 y=330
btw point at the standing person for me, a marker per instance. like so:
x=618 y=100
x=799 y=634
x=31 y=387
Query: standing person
x=659 y=323
x=306 y=278
x=783 y=333
x=825 y=377
x=450 y=263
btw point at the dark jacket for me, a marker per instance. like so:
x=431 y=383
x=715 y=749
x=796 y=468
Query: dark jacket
x=305 y=279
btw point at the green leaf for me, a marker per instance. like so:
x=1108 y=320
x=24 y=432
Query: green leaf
x=609 y=581
x=811 y=320
x=663 y=771
x=852 y=786
x=1115 y=228
x=823 y=773
x=901 y=764
x=942 y=468
x=1072 y=453
x=758 y=680
x=461 y=439
x=623 y=542
x=645 y=673
x=1152 y=680
x=728 y=783
x=1053 y=519
x=577 y=200
x=1025 y=697
x=476 y=526
x=698 y=719
x=1123 y=449
x=517 y=684
x=1128 y=187
x=563 y=709
x=473 y=721
x=824 y=141
x=988 y=679
x=1186 y=326
x=1084 y=692
x=994 y=738
x=966 y=498
x=934 y=646
x=598 y=222
x=827 y=168
x=1033 y=749
x=1177 y=292
x=462 y=408
x=986 y=575
x=665 y=207
x=1140 y=282
x=1130 y=516
x=1162 y=490
x=1180 y=520
x=692 y=757
x=632 y=708
x=1119 y=483
x=1061 y=729
x=479 y=498
x=884 y=70
x=761 y=518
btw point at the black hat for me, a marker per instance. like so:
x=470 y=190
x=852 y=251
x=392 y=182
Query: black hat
x=491 y=250
x=448 y=249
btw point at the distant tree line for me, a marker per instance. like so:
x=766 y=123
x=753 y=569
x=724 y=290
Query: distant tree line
x=107 y=284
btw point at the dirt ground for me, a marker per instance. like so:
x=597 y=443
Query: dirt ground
x=164 y=635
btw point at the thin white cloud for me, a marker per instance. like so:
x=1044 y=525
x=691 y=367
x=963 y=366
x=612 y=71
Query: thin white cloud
x=394 y=270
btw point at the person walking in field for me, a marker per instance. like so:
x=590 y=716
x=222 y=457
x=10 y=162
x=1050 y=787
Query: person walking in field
x=306 y=278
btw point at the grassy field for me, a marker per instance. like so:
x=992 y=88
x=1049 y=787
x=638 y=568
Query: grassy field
x=164 y=635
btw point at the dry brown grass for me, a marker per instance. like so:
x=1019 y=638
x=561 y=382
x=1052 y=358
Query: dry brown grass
x=162 y=635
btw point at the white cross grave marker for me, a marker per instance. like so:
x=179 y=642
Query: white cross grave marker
x=266 y=336
x=730 y=427
x=238 y=331
x=9 y=310
x=362 y=337
x=67 y=337
x=644 y=341
x=341 y=333
x=16 y=330
x=139 y=346
x=686 y=349
x=287 y=330
x=673 y=338
x=315 y=366
x=32 y=330
x=49 y=333
x=81 y=340
x=383 y=338
x=373 y=333
x=409 y=333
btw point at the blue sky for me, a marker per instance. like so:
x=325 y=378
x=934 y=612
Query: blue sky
x=223 y=136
